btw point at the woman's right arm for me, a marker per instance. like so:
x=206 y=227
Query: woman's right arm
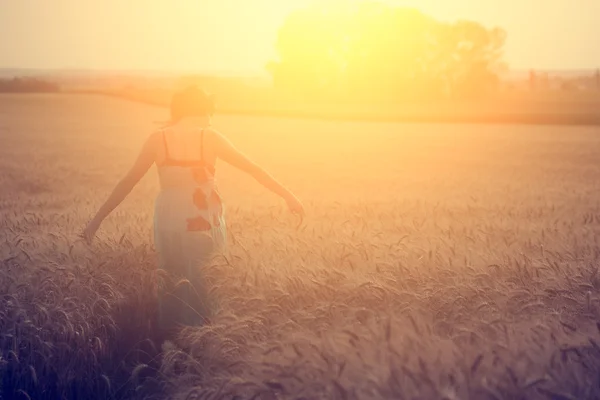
x=228 y=153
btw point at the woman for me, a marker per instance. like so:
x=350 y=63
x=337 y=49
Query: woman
x=189 y=217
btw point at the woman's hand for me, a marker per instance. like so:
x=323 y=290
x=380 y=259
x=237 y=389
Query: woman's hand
x=295 y=205
x=90 y=231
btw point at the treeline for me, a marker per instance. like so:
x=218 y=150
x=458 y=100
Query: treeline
x=27 y=85
x=372 y=51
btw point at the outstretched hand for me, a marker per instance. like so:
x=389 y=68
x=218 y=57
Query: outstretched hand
x=90 y=231
x=296 y=208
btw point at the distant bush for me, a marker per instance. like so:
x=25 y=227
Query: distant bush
x=27 y=85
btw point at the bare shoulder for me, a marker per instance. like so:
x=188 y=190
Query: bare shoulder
x=214 y=136
x=154 y=136
x=161 y=130
x=213 y=133
x=153 y=139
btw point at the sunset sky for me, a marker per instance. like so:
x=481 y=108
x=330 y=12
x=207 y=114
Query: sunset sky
x=238 y=35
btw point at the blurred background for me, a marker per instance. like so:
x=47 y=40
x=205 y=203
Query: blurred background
x=400 y=60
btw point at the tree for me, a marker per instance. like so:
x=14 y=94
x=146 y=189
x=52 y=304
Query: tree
x=468 y=57
x=372 y=51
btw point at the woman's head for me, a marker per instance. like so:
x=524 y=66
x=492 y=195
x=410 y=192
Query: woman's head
x=192 y=102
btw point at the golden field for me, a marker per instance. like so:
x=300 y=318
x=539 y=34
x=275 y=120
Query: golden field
x=435 y=261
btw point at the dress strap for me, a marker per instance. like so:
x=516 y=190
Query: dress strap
x=166 y=146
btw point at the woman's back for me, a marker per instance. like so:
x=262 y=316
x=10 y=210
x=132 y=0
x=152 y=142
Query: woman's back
x=188 y=200
x=181 y=156
x=188 y=139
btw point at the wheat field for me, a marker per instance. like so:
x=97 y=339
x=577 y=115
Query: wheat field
x=435 y=262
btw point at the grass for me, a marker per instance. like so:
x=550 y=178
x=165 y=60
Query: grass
x=436 y=261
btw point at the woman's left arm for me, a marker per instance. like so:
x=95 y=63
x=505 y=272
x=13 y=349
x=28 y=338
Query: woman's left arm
x=143 y=162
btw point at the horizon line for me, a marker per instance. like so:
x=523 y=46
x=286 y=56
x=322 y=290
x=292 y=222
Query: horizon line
x=173 y=72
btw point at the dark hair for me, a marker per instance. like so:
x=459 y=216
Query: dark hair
x=191 y=102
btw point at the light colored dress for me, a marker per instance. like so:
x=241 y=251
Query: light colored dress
x=189 y=226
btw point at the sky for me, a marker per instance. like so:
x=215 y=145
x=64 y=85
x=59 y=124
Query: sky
x=239 y=35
